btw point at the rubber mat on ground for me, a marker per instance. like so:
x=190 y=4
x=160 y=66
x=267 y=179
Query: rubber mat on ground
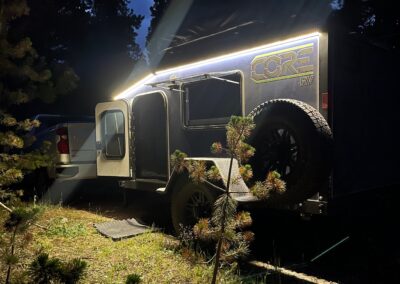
x=120 y=229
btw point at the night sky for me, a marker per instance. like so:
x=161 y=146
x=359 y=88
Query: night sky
x=142 y=7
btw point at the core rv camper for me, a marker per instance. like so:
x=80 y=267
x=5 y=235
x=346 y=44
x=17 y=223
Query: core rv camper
x=289 y=89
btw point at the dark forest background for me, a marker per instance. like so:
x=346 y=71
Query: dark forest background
x=97 y=38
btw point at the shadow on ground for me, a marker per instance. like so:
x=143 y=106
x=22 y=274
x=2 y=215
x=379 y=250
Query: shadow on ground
x=108 y=200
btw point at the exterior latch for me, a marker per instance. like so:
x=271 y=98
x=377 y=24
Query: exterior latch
x=99 y=145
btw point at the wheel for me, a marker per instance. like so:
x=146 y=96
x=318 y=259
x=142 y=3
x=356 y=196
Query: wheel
x=190 y=203
x=293 y=139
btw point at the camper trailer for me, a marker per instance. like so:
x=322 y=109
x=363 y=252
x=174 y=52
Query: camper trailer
x=301 y=92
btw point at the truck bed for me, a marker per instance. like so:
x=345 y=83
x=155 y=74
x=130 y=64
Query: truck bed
x=80 y=163
x=82 y=142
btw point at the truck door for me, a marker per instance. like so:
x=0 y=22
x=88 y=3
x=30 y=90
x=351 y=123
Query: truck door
x=112 y=139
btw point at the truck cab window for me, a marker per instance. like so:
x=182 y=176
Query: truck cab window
x=113 y=131
x=212 y=101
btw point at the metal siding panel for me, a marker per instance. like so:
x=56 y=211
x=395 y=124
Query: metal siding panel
x=197 y=141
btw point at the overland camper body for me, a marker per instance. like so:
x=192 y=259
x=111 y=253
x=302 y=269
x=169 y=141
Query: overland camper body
x=298 y=101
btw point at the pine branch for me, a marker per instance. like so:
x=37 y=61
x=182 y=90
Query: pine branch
x=9 y=210
x=5 y=207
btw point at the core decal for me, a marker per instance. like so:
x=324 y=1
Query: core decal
x=284 y=64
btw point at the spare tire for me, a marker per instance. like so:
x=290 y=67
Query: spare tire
x=294 y=139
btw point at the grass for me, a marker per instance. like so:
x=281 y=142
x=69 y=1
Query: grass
x=71 y=234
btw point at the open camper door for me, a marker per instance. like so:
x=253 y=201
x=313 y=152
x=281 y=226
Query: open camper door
x=112 y=139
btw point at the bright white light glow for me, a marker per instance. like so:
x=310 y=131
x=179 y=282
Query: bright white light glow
x=132 y=88
x=200 y=63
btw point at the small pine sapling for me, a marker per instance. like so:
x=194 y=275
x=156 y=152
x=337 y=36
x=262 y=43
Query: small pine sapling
x=72 y=271
x=133 y=279
x=227 y=225
x=17 y=224
x=44 y=269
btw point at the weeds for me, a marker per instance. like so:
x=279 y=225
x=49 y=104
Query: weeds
x=63 y=227
x=110 y=261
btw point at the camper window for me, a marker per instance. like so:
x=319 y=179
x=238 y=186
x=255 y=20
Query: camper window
x=211 y=101
x=113 y=132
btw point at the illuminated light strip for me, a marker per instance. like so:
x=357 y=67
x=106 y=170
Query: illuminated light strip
x=235 y=54
x=130 y=90
x=212 y=60
x=283 y=50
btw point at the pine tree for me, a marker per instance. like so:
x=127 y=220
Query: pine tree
x=24 y=76
x=94 y=37
x=111 y=50
x=226 y=225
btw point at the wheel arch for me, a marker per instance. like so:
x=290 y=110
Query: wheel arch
x=239 y=188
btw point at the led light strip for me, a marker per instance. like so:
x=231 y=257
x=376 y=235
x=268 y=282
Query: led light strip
x=200 y=63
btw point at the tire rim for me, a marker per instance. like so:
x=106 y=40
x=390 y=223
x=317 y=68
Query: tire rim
x=279 y=152
x=198 y=206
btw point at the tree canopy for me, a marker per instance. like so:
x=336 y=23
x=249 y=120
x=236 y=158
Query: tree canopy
x=96 y=38
x=215 y=28
x=24 y=77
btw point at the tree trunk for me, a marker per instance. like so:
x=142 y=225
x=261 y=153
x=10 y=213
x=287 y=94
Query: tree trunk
x=12 y=254
x=222 y=232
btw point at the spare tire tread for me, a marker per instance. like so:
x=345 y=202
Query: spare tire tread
x=319 y=121
x=303 y=183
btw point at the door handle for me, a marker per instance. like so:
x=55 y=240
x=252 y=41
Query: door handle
x=99 y=146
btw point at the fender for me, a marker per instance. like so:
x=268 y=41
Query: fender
x=239 y=189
